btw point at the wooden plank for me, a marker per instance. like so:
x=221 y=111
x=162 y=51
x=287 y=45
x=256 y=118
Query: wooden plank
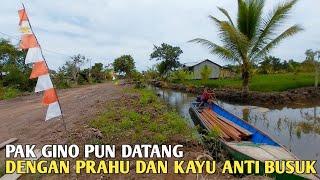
x=231 y=130
x=244 y=131
x=215 y=124
x=211 y=125
x=10 y=141
x=234 y=135
x=205 y=121
x=228 y=129
x=15 y=176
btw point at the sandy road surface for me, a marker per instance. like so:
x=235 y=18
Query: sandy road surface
x=23 y=117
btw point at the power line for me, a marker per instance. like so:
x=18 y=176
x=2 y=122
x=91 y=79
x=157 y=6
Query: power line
x=14 y=37
x=54 y=52
x=47 y=50
x=44 y=49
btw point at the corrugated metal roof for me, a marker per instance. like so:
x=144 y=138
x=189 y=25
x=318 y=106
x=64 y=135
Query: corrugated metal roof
x=205 y=61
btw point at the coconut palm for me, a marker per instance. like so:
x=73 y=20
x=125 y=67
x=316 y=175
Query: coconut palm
x=311 y=56
x=252 y=37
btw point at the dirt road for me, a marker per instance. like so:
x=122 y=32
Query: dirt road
x=23 y=117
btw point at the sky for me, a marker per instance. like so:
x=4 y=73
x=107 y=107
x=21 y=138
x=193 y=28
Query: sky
x=106 y=29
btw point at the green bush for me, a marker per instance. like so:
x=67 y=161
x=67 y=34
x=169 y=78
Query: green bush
x=147 y=97
x=205 y=74
x=136 y=75
x=2 y=170
x=181 y=75
x=151 y=74
x=8 y=93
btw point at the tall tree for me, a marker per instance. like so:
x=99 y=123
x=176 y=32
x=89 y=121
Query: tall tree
x=13 y=71
x=97 y=72
x=252 y=36
x=317 y=66
x=124 y=65
x=169 y=57
x=271 y=64
x=311 y=56
x=71 y=69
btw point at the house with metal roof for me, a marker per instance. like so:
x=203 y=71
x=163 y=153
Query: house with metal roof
x=196 y=69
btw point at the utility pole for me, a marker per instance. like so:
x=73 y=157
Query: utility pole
x=90 y=68
x=316 y=64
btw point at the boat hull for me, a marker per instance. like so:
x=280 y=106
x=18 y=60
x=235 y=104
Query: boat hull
x=237 y=155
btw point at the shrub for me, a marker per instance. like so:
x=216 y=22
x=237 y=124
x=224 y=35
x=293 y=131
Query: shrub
x=205 y=74
x=151 y=74
x=181 y=75
x=8 y=93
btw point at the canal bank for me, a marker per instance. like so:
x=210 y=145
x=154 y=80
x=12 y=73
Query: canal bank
x=308 y=96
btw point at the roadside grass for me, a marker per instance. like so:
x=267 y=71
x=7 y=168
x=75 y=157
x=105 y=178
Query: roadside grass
x=8 y=93
x=139 y=117
x=2 y=170
x=263 y=82
x=11 y=92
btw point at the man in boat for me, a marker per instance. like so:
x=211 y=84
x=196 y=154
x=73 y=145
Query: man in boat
x=207 y=97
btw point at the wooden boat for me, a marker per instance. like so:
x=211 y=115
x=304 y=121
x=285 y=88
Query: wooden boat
x=242 y=140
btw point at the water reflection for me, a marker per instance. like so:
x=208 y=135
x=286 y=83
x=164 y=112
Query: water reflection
x=297 y=129
x=245 y=114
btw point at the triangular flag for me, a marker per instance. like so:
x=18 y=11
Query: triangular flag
x=28 y=41
x=39 y=69
x=33 y=55
x=50 y=96
x=22 y=16
x=25 y=28
x=44 y=83
x=53 y=111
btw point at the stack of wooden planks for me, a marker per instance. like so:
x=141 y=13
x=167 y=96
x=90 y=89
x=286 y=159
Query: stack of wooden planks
x=229 y=130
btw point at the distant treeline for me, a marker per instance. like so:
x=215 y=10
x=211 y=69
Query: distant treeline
x=14 y=73
x=73 y=73
x=274 y=65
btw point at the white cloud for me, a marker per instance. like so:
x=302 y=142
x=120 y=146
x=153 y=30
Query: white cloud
x=106 y=29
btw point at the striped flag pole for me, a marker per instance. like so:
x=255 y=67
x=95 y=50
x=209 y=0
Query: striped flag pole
x=40 y=68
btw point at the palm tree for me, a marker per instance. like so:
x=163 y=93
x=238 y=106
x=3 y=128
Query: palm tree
x=317 y=70
x=252 y=37
x=311 y=56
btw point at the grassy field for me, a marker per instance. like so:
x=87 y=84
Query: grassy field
x=263 y=83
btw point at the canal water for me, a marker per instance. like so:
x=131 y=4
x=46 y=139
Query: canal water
x=298 y=129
